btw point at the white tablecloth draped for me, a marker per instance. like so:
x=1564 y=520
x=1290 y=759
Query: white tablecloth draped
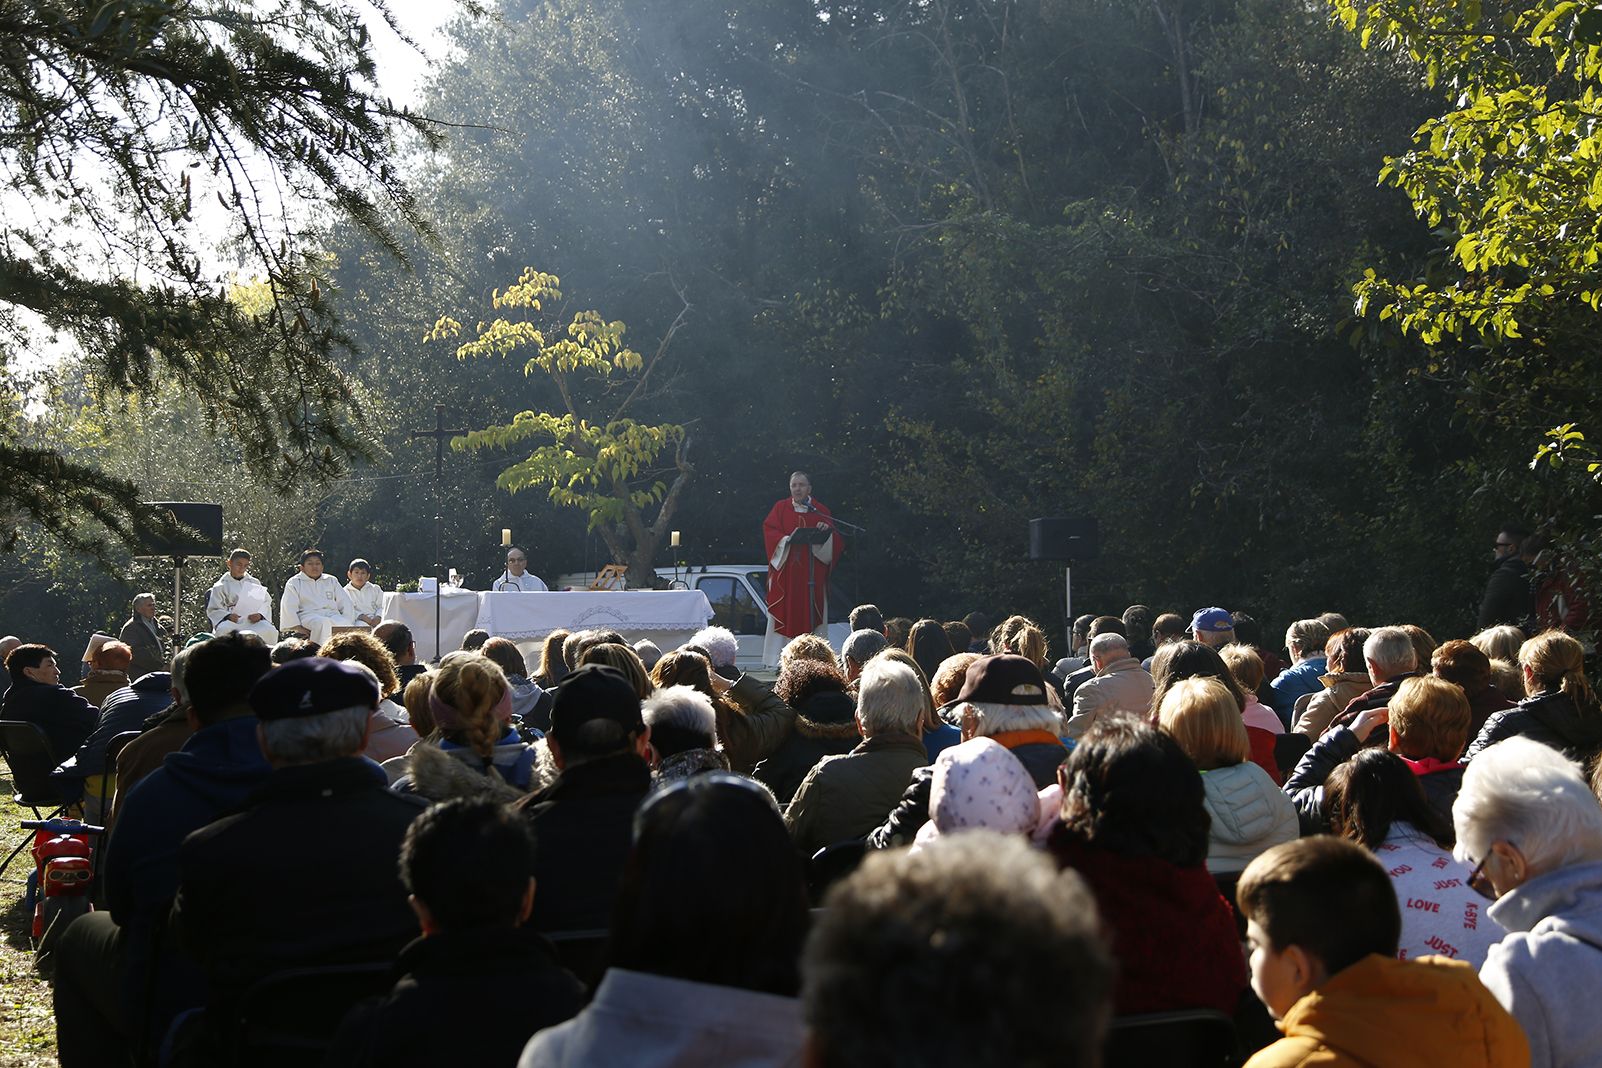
x=458 y=611
x=534 y=615
x=670 y=615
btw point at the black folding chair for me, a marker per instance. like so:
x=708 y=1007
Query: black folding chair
x=291 y=1017
x=1289 y=748
x=831 y=864
x=27 y=753
x=108 y=771
x=581 y=952
x=1190 y=1038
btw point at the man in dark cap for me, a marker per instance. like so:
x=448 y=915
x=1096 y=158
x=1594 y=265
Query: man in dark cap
x=584 y=820
x=306 y=873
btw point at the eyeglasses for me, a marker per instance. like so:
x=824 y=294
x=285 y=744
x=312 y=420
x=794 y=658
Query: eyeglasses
x=1479 y=882
x=1506 y=545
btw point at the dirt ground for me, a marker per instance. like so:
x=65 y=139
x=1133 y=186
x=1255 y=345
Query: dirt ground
x=27 y=1028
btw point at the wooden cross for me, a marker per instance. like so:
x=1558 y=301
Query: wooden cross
x=440 y=436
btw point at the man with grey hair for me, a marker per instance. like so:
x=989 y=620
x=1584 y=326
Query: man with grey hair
x=1002 y=697
x=1391 y=658
x=862 y=646
x=143 y=635
x=846 y=796
x=1530 y=830
x=1120 y=685
x=306 y=874
x=974 y=951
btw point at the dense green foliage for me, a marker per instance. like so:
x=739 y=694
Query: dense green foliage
x=969 y=262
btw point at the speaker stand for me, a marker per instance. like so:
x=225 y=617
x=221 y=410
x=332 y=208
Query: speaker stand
x=178 y=565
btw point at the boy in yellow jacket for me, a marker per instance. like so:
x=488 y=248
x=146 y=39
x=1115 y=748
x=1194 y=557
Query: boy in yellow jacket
x=1323 y=924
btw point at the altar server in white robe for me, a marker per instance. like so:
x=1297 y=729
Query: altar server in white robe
x=238 y=601
x=517 y=576
x=366 y=597
x=314 y=602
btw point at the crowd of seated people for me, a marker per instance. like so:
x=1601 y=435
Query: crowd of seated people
x=935 y=845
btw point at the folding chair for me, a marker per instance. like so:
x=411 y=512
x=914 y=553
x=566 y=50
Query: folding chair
x=1190 y=1038
x=27 y=753
x=581 y=952
x=1289 y=748
x=290 y=1017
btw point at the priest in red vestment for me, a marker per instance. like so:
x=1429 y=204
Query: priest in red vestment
x=787 y=571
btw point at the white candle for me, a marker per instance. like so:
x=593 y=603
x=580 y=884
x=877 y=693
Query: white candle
x=675 y=542
x=506 y=535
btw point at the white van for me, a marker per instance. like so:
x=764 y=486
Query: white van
x=739 y=597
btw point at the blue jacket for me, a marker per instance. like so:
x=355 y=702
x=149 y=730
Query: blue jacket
x=211 y=776
x=123 y=710
x=1293 y=682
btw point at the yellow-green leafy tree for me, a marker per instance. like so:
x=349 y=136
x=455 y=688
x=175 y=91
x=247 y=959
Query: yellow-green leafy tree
x=588 y=451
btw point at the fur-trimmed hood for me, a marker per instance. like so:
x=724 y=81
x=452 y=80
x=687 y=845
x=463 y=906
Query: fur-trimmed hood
x=439 y=775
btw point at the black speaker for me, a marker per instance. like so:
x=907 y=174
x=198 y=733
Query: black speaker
x=1063 y=539
x=182 y=528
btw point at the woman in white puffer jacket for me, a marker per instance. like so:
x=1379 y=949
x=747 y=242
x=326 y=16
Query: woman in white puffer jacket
x=1249 y=813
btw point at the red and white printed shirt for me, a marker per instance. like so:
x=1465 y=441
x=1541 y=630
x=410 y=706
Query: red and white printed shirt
x=1441 y=916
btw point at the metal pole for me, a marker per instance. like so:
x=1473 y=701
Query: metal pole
x=177 y=597
x=1068 y=603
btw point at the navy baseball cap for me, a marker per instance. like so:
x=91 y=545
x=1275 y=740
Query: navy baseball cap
x=311 y=686
x=1211 y=620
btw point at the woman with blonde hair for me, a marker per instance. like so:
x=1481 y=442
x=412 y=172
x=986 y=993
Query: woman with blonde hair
x=478 y=751
x=1249 y=813
x=1560 y=709
x=1500 y=643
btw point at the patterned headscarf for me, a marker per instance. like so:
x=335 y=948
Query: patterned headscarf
x=981 y=784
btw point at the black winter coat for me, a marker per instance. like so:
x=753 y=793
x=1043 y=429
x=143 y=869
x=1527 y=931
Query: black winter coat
x=825 y=725
x=1507 y=594
x=461 y=997
x=1040 y=759
x=308 y=874
x=66 y=718
x=583 y=830
x=1550 y=718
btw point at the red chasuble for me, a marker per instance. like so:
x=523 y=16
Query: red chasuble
x=787 y=587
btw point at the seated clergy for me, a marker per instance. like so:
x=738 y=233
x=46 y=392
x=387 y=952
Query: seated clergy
x=238 y=601
x=315 y=603
x=366 y=596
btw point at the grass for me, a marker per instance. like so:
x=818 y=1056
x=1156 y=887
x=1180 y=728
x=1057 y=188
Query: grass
x=27 y=1025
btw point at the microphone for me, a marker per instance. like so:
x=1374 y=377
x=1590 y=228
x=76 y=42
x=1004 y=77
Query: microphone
x=807 y=504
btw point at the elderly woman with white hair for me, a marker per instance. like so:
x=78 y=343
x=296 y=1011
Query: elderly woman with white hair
x=1530 y=830
x=845 y=797
x=684 y=733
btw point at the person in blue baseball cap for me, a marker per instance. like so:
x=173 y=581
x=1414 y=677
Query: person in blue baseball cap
x=1213 y=626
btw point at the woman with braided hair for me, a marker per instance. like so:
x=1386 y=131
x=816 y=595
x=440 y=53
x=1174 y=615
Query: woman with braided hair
x=1561 y=709
x=475 y=751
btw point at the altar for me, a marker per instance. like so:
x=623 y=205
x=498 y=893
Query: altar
x=666 y=617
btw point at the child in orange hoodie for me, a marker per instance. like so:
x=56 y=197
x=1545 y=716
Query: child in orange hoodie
x=1323 y=925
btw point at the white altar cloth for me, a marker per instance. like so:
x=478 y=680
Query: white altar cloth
x=458 y=612
x=661 y=615
x=522 y=616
